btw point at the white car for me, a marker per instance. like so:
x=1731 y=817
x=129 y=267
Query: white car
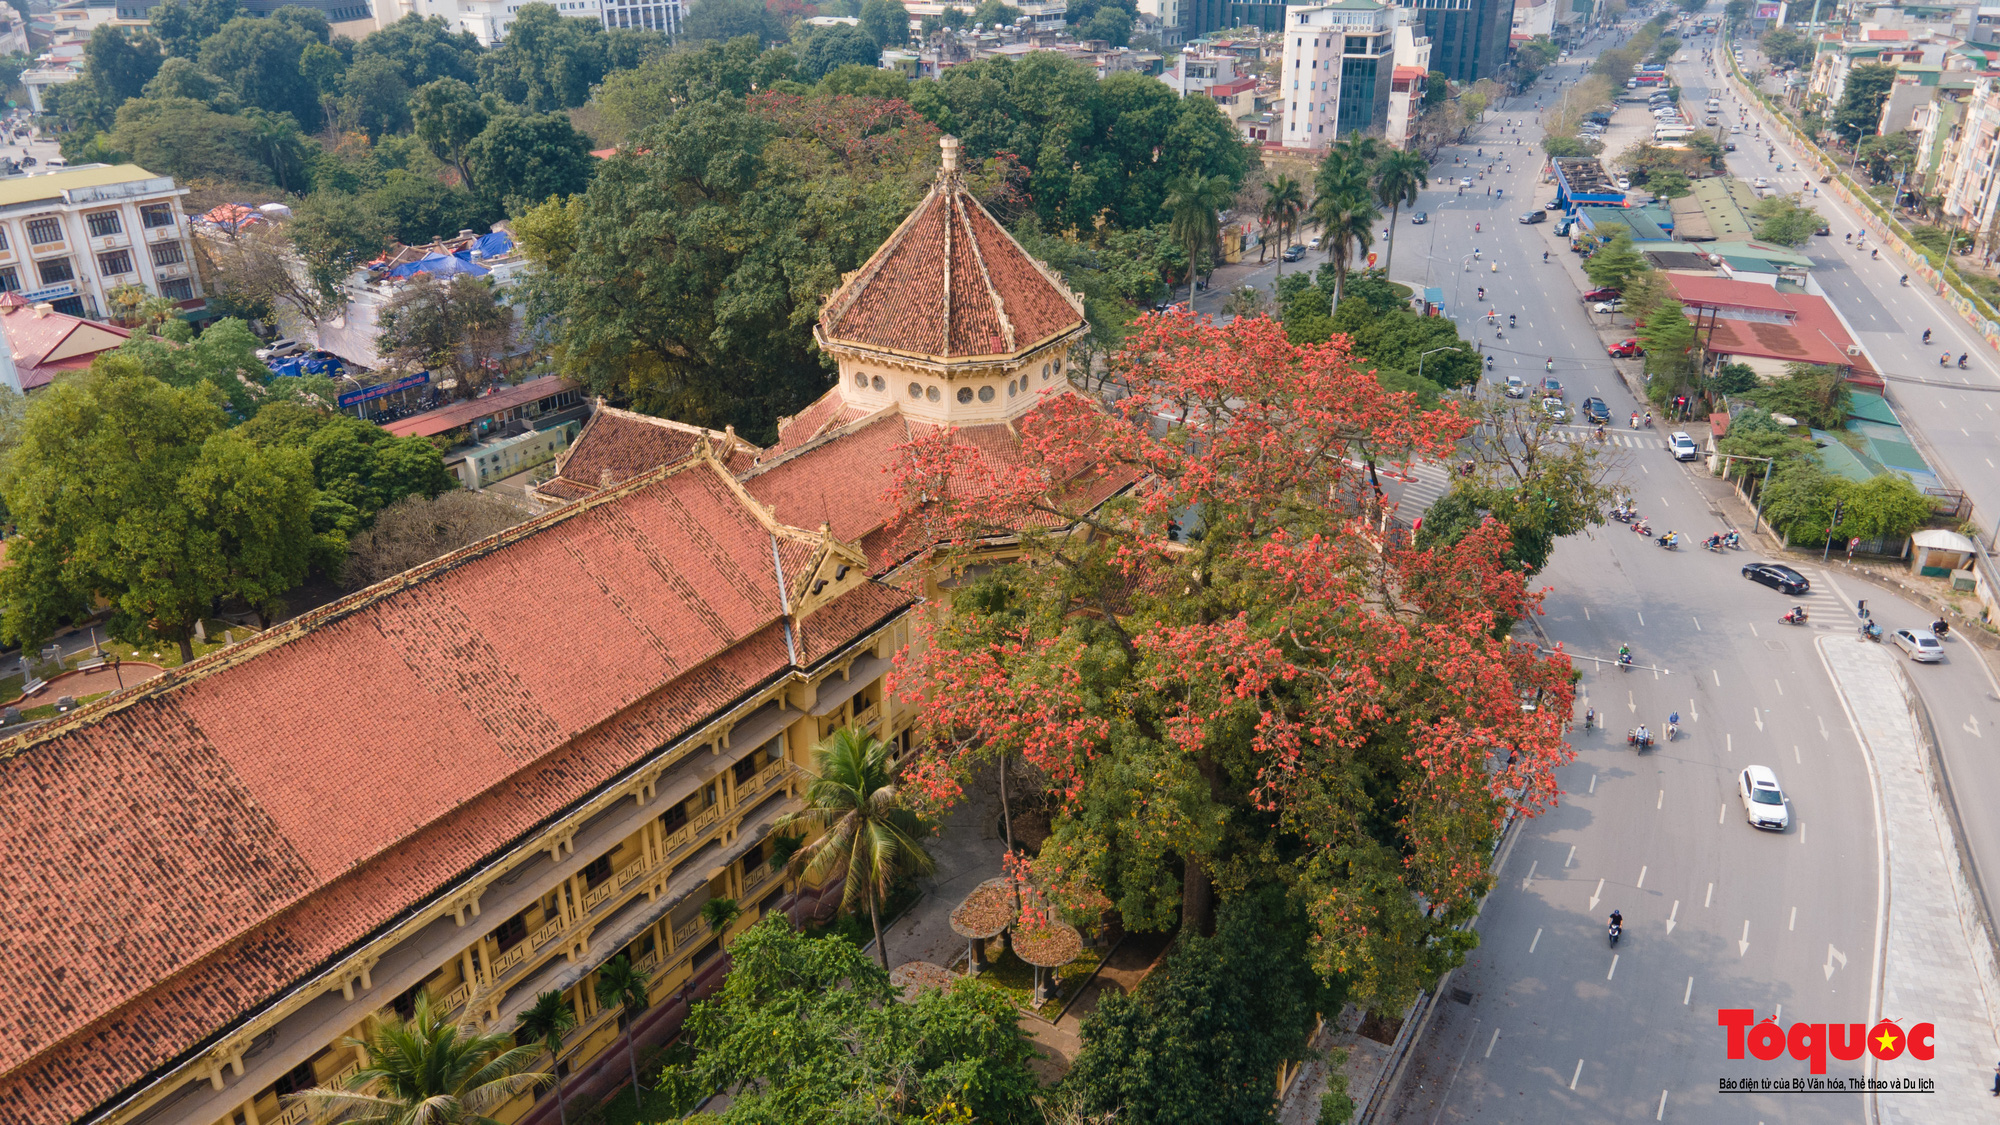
x=1624 y=184
x=1608 y=306
x=1465 y=181
x=1760 y=182
x=1313 y=243
x=1516 y=387
x=1683 y=446
x=1763 y=802
x=280 y=348
x=1922 y=647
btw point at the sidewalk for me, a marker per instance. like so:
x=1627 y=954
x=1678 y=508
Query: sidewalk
x=1933 y=968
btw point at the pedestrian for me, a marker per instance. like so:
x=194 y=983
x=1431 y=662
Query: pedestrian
x=1996 y=1076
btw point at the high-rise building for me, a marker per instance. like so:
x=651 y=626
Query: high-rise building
x=488 y=20
x=1468 y=37
x=1339 y=64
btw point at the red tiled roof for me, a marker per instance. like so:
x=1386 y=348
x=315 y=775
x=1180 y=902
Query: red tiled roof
x=1407 y=72
x=1810 y=333
x=827 y=412
x=617 y=445
x=840 y=480
x=47 y=343
x=1710 y=291
x=950 y=283
x=201 y=844
x=448 y=418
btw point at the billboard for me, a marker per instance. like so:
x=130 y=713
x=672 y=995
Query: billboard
x=380 y=389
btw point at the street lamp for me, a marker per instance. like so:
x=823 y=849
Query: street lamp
x=1433 y=351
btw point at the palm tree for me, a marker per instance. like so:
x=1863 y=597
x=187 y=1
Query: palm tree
x=1348 y=222
x=1360 y=151
x=432 y=1072
x=1398 y=179
x=1192 y=203
x=719 y=913
x=1284 y=201
x=867 y=833
x=544 y=1024
x=622 y=983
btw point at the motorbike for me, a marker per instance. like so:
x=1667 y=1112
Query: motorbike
x=1614 y=929
x=1642 y=527
x=1733 y=541
x=1624 y=514
x=1550 y=365
x=1670 y=541
x=1713 y=543
x=1482 y=292
x=1624 y=660
x=1638 y=738
x=1961 y=361
x=1510 y=320
x=1940 y=629
x=1871 y=630
x=1905 y=282
x=1673 y=731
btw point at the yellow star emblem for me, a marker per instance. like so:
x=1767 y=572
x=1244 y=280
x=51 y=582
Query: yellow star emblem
x=1887 y=1040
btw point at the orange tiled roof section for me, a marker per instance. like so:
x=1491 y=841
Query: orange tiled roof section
x=617 y=445
x=199 y=846
x=950 y=283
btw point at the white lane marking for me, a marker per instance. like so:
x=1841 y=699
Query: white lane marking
x=1645 y=470
x=1781 y=686
x=1795 y=756
x=1662 y=1115
x=1571 y=856
x=1729 y=740
x=1631 y=704
x=1671 y=915
x=1577 y=1075
x=1689 y=994
x=1662 y=802
x=1593 y=785
x=1697 y=622
x=1720 y=813
x=1642 y=621
x=1586 y=613
x=1531 y=875
x=1492 y=1043
x=1743 y=943
x=1536 y=942
x=1794 y=923
x=1802 y=835
x=1753 y=630
x=1694 y=716
x=1641 y=884
x=1710 y=896
x=1718 y=677
x=1597 y=894
x=1614 y=967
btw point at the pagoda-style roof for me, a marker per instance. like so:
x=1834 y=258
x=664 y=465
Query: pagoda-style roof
x=950 y=284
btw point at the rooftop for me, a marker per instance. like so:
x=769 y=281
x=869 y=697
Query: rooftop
x=1758 y=320
x=200 y=848
x=445 y=419
x=37 y=186
x=43 y=343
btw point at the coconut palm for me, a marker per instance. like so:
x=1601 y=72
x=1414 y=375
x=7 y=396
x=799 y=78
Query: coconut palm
x=621 y=983
x=1192 y=204
x=866 y=833
x=1398 y=179
x=544 y=1024
x=1360 y=151
x=1347 y=221
x=1284 y=202
x=431 y=1071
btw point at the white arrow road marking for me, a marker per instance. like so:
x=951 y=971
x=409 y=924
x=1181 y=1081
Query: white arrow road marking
x=1631 y=704
x=1757 y=716
x=1972 y=725
x=1694 y=716
x=1833 y=955
x=1823 y=732
x=1672 y=915
x=1641 y=884
x=1597 y=894
x=1743 y=943
x=1525 y=883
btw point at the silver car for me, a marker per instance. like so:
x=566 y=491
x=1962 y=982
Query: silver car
x=1763 y=802
x=1922 y=647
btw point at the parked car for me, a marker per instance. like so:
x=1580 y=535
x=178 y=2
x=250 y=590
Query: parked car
x=1823 y=230
x=1778 y=577
x=1535 y=217
x=1420 y=218
x=1595 y=410
x=1294 y=252
x=1760 y=182
x=1683 y=446
x=1611 y=306
x=1922 y=647
x=280 y=348
x=1729 y=146
x=1763 y=801
x=1605 y=294
x=1628 y=348
x=1553 y=205
x=1624 y=183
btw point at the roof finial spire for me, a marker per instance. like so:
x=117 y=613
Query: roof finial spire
x=950 y=146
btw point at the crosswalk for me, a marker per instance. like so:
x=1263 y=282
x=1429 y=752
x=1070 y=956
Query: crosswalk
x=1622 y=439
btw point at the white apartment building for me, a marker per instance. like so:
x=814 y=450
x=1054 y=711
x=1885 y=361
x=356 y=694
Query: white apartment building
x=1967 y=174
x=1194 y=72
x=488 y=20
x=68 y=237
x=1337 y=71
x=1412 y=78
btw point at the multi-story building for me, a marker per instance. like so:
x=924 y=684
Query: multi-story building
x=488 y=20
x=1966 y=175
x=1534 y=17
x=68 y=237
x=1337 y=71
x=1194 y=71
x=1468 y=37
x=481 y=780
x=1411 y=79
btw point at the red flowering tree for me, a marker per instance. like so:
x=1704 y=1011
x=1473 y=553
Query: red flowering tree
x=1224 y=669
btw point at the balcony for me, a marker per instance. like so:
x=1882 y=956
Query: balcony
x=764 y=779
x=300 y=1113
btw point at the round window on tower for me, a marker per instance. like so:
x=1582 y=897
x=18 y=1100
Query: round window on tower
x=860 y=381
x=881 y=384
x=1045 y=370
x=1011 y=388
x=986 y=393
x=965 y=394
x=932 y=394
x=916 y=390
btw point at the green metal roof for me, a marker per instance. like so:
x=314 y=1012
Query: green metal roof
x=1843 y=462
x=1870 y=407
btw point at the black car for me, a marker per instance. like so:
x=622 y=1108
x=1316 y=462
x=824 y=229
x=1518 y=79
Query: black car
x=1420 y=218
x=1535 y=217
x=1823 y=230
x=1595 y=410
x=1553 y=205
x=1294 y=252
x=1729 y=146
x=1781 y=578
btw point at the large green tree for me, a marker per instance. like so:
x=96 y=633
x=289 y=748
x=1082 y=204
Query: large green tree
x=522 y=161
x=259 y=57
x=808 y=1030
x=886 y=23
x=133 y=491
x=424 y=49
x=1617 y=263
x=181 y=25
x=1398 y=179
x=449 y=116
x=186 y=139
x=732 y=19
x=1860 y=112
x=632 y=101
x=547 y=62
x=1193 y=206
x=119 y=61
x=838 y=46
x=1784 y=220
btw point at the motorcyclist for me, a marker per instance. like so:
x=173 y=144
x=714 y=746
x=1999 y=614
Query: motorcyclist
x=1625 y=654
x=1618 y=919
x=1489 y=363
x=1549 y=364
x=1798 y=613
x=1649 y=419
x=1944 y=360
x=1673 y=724
x=1642 y=736
x=1962 y=357
x=1510 y=320
x=1939 y=627
x=1927 y=335
x=1482 y=292
x=1545 y=255
x=1635 y=419
x=1905 y=280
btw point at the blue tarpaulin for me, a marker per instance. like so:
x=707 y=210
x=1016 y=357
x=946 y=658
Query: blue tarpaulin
x=493 y=245
x=441 y=265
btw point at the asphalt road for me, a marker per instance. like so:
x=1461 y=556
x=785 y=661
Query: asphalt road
x=1546 y=1021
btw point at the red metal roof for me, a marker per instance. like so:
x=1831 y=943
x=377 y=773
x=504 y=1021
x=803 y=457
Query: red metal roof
x=46 y=343
x=188 y=850
x=448 y=418
x=1811 y=332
